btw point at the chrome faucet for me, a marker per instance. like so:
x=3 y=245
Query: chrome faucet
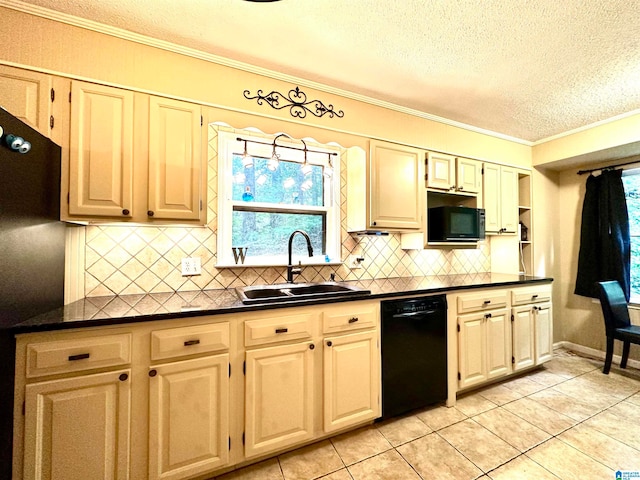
x=291 y=271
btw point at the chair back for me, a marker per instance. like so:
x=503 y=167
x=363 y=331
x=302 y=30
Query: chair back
x=614 y=306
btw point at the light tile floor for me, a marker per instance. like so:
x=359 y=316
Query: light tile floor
x=564 y=421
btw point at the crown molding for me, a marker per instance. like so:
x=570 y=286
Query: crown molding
x=208 y=57
x=586 y=127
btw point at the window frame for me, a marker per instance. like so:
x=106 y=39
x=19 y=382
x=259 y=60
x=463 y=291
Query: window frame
x=228 y=145
x=627 y=172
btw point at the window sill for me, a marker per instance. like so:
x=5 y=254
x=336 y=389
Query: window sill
x=249 y=263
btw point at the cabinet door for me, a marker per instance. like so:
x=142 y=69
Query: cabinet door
x=27 y=95
x=101 y=151
x=544 y=332
x=498 y=331
x=175 y=159
x=78 y=428
x=279 y=397
x=523 y=337
x=472 y=348
x=351 y=380
x=491 y=197
x=468 y=175
x=509 y=199
x=396 y=188
x=188 y=417
x=441 y=171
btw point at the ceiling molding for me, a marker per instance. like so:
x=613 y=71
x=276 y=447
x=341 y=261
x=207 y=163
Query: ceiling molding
x=190 y=52
x=587 y=127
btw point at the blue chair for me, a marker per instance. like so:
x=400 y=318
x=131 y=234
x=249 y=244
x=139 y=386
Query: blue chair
x=616 y=322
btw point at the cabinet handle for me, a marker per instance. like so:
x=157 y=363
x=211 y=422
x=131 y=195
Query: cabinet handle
x=533 y=297
x=80 y=356
x=123 y=377
x=453 y=187
x=486 y=302
x=460 y=189
x=329 y=343
x=353 y=319
x=312 y=346
x=125 y=212
x=188 y=343
x=153 y=373
x=282 y=330
x=150 y=213
x=487 y=315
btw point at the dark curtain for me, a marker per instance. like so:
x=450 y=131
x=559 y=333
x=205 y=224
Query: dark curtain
x=605 y=252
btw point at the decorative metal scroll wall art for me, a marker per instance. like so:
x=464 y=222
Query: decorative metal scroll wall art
x=296 y=101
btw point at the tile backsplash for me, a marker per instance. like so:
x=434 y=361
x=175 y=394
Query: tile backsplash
x=145 y=259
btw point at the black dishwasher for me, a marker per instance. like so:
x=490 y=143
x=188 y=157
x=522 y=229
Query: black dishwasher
x=414 y=353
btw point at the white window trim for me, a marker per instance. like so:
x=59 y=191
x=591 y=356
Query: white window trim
x=227 y=146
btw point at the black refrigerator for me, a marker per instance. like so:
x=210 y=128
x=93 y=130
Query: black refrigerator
x=32 y=248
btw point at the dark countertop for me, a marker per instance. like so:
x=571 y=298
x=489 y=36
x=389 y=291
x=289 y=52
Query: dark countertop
x=112 y=310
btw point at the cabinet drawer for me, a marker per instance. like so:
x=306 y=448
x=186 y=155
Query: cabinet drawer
x=276 y=329
x=178 y=342
x=475 y=302
x=78 y=354
x=540 y=293
x=350 y=317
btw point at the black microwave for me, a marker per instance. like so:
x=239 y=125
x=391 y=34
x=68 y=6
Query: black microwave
x=455 y=224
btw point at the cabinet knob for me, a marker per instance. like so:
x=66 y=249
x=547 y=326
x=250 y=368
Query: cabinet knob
x=125 y=212
x=312 y=346
x=453 y=187
x=153 y=373
x=123 y=377
x=150 y=213
x=487 y=315
x=374 y=223
x=329 y=343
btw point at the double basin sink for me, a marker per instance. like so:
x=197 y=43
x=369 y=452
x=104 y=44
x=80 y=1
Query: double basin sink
x=288 y=292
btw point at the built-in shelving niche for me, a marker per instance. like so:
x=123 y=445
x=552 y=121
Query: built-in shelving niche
x=525 y=229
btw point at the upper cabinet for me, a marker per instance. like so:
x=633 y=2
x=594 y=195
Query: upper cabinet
x=134 y=157
x=500 y=196
x=453 y=174
x=27 y=95
x=393 y=197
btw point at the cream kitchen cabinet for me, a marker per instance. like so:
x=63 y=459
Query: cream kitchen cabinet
x=387 y=192
x=188 y=401
x=453 y=174
x=532 y=326
x=500 y=198
x=279 y=381
x=76 y=422
x=484 y=337
x=134 y=157
x=351 y=364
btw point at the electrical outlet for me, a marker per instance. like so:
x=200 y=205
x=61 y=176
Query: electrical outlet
x=191 y=266
x=354 y=262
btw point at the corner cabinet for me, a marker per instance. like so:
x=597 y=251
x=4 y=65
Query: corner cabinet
x=396 y=188
x=134 y=157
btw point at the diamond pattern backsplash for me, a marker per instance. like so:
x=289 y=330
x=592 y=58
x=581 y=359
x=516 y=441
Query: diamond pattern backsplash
x=136 y=260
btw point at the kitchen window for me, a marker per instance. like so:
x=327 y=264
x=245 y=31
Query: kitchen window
x=631 y=182
x=264 y=198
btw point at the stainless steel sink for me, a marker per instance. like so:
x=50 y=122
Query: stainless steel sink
x=290 y=292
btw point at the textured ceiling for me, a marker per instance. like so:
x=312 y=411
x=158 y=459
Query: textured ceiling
x=524 y=68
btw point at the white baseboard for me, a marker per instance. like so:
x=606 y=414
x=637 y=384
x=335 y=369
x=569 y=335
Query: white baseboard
x=592 y=352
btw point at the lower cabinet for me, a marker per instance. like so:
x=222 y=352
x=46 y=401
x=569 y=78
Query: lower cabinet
x=494 y=342
x=279 y=397
x=351 y=380
x=169 y=400
x=188 y=417
x=78 y=428
x=484 y=342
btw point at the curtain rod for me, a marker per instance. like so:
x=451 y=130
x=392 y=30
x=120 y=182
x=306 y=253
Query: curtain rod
x=285 y=146
x=582 y=172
